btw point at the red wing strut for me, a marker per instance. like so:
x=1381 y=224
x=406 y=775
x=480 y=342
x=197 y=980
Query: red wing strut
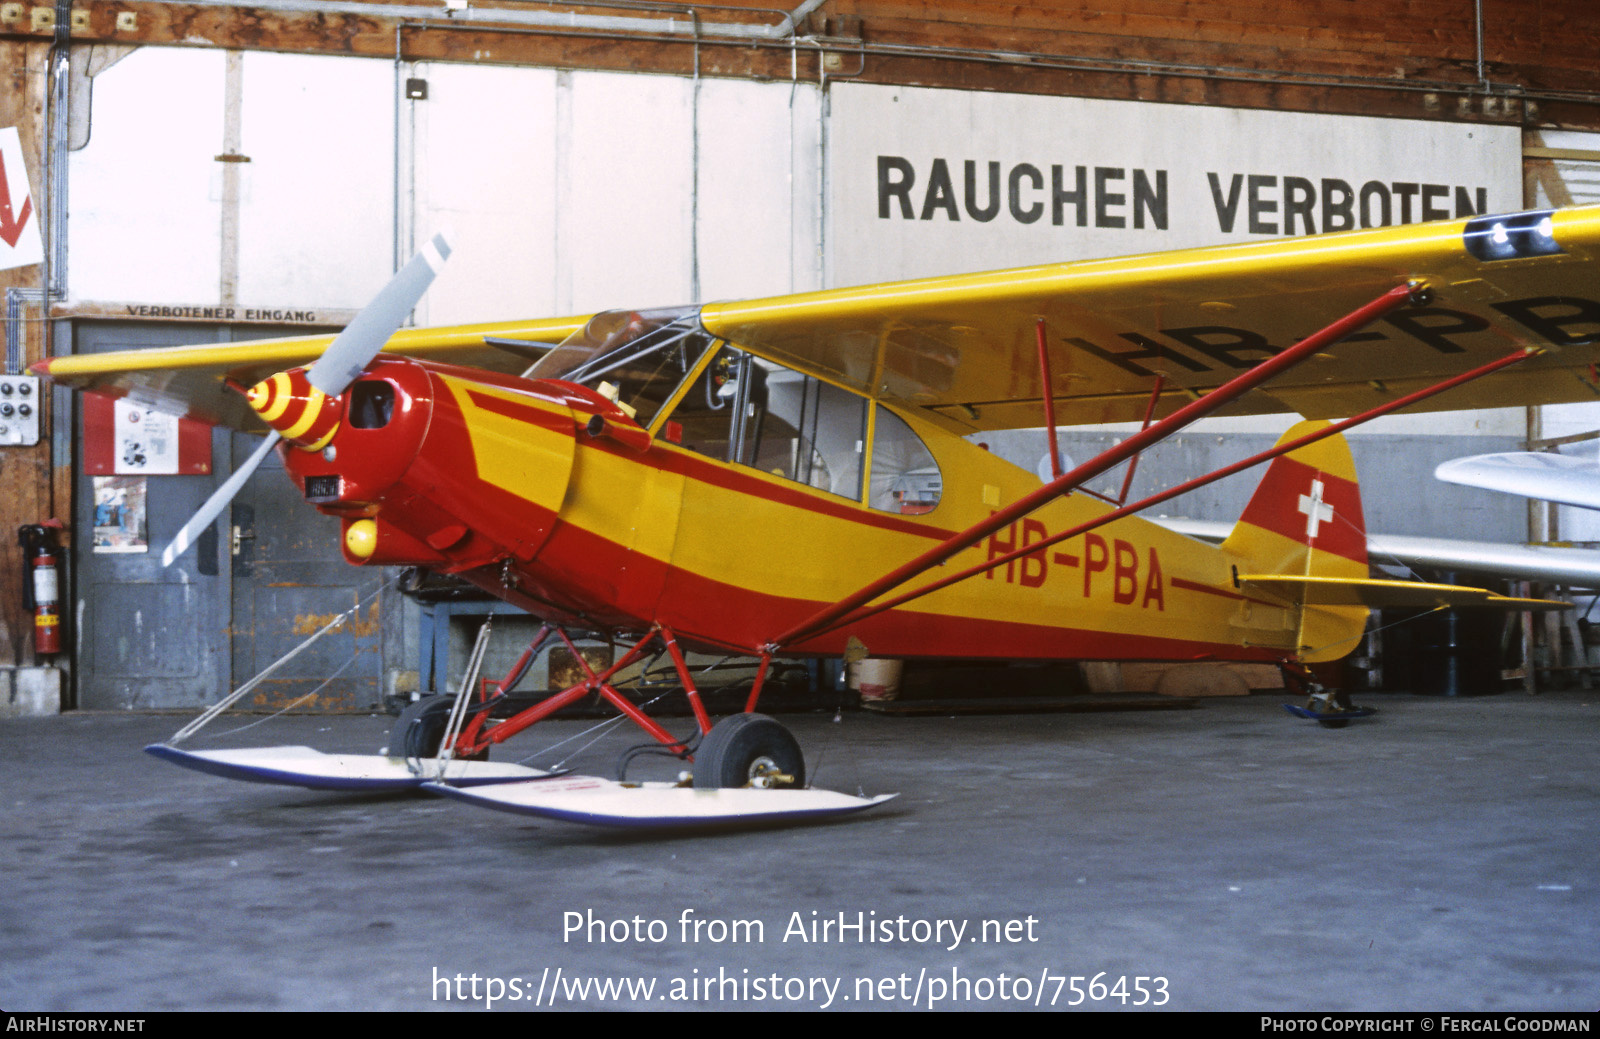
x=1211 y=402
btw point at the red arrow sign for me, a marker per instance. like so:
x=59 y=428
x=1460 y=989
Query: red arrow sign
x=11 y=225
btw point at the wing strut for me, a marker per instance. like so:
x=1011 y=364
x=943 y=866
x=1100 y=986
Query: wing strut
x=1183 y=488
x=1049 y=401
x=1049 y=397
x=1229 y=391
x=1149 y=414
x=1133 y=463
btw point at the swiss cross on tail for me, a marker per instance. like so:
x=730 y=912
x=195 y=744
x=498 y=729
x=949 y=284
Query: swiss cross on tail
x=1317 y=511
x=1308 y=498
x=1310 y=506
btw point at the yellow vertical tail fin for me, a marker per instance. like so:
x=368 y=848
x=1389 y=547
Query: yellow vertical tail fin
x=1305 y=519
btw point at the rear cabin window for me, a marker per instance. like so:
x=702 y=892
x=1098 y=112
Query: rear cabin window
x=905 y=478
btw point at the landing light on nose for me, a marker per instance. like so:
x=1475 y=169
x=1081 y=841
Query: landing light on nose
x=361 y=538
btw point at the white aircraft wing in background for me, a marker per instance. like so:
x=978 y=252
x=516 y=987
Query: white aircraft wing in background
x=1567 y=479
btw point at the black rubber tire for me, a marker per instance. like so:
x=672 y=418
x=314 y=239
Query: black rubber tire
x=729 y=754
x=419 y=730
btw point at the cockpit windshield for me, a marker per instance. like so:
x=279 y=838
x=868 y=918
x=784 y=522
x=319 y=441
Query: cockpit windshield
x=645 y=354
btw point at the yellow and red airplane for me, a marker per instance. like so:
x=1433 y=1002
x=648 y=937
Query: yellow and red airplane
x=790 y=475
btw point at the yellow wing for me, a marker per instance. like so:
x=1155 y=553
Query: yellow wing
x=965 y=346
x=188 y=380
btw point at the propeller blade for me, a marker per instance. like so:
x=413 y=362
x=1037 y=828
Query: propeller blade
x=217 y=502
x=354 y=348
x=332 y=373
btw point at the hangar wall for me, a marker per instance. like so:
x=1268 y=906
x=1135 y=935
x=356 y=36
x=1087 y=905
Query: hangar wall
x=565 y=191
x=571 y=191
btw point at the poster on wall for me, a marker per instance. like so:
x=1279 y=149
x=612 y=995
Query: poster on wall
x=928 y=182
x=119 y=515
x=145 y=441
x=121 y=437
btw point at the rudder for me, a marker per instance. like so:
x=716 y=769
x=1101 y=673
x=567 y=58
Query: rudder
x=1305 y=518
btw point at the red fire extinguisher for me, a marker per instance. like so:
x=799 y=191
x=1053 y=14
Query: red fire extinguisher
x=41 y=586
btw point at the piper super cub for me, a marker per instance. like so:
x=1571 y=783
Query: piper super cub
x=728 y=477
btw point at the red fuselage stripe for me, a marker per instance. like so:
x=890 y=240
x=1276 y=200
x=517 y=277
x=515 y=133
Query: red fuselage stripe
x=684 y=462
x=1193 y=586
x=544 y=418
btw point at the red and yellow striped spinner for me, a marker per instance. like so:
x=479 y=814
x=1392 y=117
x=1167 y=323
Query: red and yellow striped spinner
x=301 y=413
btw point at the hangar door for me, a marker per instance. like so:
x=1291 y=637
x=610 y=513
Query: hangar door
x=253 y=586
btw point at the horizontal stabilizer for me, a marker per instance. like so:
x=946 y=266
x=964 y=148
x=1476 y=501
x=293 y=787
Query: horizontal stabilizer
x=1507 y=602
x=1346 y=591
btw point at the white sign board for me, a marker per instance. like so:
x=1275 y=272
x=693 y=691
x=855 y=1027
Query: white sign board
x=20 y=242
x=927 y=182
x=145 y=441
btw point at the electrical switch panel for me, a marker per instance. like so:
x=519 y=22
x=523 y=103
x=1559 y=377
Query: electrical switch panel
x=19 y=410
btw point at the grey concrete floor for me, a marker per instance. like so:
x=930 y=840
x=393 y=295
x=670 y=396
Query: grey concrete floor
x=1442 y=856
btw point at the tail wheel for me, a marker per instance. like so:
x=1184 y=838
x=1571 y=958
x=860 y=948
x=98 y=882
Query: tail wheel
x=749 y=750
x=419 y=730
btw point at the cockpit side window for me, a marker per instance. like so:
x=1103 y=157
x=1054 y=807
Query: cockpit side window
x=804 y=429
x=702 y=421
x=753 y=412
